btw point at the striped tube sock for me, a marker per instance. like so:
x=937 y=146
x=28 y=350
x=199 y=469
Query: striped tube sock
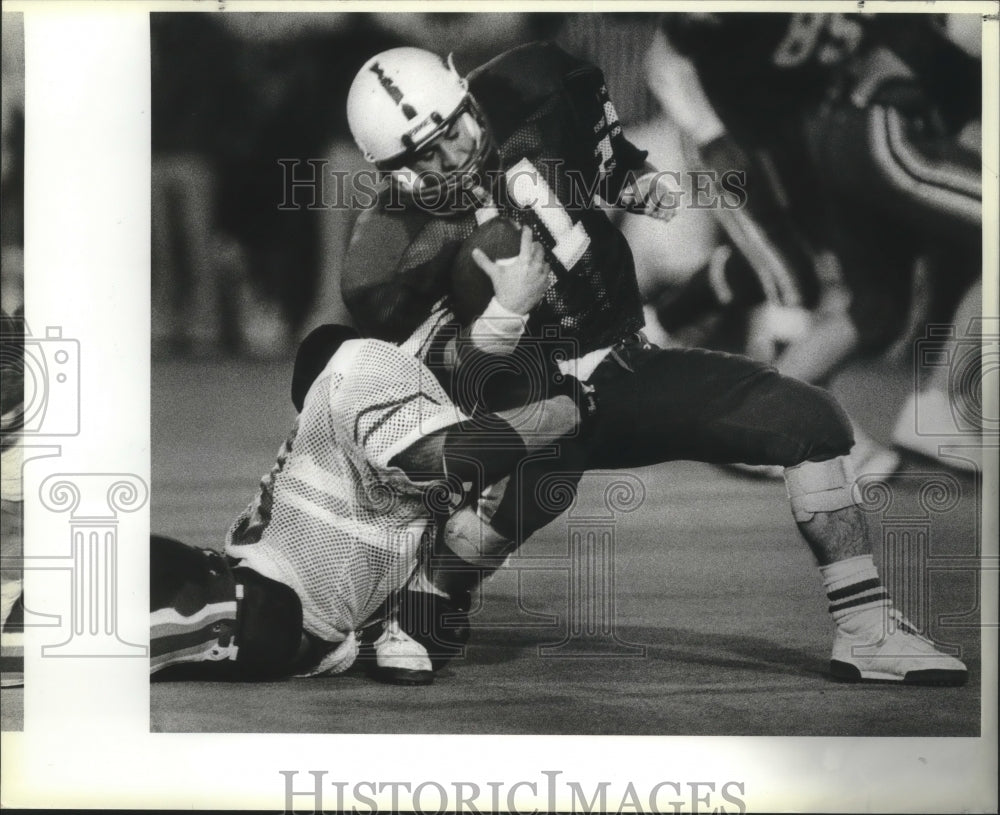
x=857 y=596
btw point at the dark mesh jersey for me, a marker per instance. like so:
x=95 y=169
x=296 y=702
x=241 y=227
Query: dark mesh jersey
x=559 y=144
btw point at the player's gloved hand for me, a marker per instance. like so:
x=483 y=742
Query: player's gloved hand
x=653 y=194
x=519 y=283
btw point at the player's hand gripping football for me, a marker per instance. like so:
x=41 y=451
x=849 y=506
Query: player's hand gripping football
x=519 y=283
x=651 y=194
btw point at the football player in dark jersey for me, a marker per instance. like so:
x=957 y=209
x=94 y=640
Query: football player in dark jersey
x=533 y=136
x=852 y=121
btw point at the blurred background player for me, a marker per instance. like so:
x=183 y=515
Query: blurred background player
x=532 y=135
x=851 y=131
x=945 y=405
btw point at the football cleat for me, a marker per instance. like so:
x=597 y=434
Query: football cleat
x=903 y=655
x=401 y=660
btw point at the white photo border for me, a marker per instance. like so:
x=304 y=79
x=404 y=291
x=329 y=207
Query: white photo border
x=86 y=741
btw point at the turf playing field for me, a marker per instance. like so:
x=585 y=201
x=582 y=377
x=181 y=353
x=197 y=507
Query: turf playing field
x=703 y=615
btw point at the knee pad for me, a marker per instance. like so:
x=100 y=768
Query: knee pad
x=820 y=486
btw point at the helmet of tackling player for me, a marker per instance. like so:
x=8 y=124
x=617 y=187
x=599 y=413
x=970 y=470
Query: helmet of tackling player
x=400 y=102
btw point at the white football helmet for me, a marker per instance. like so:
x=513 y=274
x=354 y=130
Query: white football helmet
x=402 y=100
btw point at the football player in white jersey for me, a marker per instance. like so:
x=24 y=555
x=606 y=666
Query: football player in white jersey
x=379 y=456
x=383 y=481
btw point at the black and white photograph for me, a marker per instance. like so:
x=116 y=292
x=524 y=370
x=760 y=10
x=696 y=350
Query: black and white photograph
x=628 y=377
x=12 y=409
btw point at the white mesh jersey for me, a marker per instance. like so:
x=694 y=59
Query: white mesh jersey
x=333 y=519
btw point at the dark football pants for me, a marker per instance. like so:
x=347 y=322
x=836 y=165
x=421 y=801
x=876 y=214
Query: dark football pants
x=658 y=405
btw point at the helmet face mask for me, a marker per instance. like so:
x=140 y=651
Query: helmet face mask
x=413 y=117
x=443 y=190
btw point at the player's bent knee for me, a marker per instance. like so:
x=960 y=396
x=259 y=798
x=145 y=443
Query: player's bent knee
x=834 y=435
x=814 y=425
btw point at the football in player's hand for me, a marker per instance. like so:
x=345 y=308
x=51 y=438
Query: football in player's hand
x=471 y=287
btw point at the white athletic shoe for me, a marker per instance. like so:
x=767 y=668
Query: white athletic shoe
x=401 y=660
x=875 y=655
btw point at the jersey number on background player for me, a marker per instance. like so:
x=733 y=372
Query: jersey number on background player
x=530 y=190
x=829 y=38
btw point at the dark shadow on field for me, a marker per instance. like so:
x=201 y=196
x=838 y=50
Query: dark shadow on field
x=494 y=644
